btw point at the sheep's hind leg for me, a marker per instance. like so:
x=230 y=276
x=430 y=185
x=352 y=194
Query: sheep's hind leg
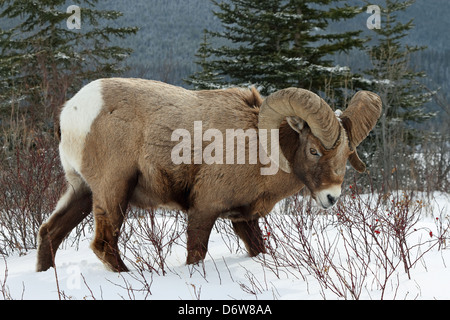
x=107 y=230
x=251 y=235
x=72 y=208
x=109 y=212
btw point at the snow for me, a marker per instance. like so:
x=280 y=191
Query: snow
x=228 y=273
x=336 y=69
x=383 y=82
x=290 y=16
x=61 y=55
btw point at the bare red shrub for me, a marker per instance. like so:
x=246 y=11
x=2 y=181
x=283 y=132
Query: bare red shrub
x=31 y=182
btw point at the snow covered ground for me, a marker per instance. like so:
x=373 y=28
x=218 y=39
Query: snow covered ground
x=228 y=273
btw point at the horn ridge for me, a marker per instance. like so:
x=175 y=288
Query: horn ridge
x=362 y=112
x=306 y=105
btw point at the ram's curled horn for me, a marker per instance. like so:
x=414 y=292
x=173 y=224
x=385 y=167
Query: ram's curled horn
x=295 y=102
x=358 y=119
x=363 y=111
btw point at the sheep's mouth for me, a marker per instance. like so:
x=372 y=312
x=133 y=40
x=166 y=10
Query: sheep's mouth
x=325 y=206
x=327 y=198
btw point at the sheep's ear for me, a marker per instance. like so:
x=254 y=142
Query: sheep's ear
x=296 y=123
x=356 y=162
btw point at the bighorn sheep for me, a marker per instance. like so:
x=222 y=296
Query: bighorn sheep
x=116 y=146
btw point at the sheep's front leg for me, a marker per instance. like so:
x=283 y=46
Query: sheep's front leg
x=198 y=231
x=250 y=233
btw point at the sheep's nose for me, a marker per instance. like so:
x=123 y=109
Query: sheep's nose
x=328 y=197
x=331 y=199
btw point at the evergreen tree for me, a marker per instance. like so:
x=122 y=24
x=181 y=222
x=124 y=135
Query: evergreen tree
x=392 y=74
x=207 y=78
x=43 y=61
x=275 y=44
x=399 y=86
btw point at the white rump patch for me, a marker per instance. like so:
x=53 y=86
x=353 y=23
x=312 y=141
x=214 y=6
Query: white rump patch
x=76 y=120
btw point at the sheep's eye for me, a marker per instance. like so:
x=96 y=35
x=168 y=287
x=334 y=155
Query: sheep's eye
x=313 y=152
